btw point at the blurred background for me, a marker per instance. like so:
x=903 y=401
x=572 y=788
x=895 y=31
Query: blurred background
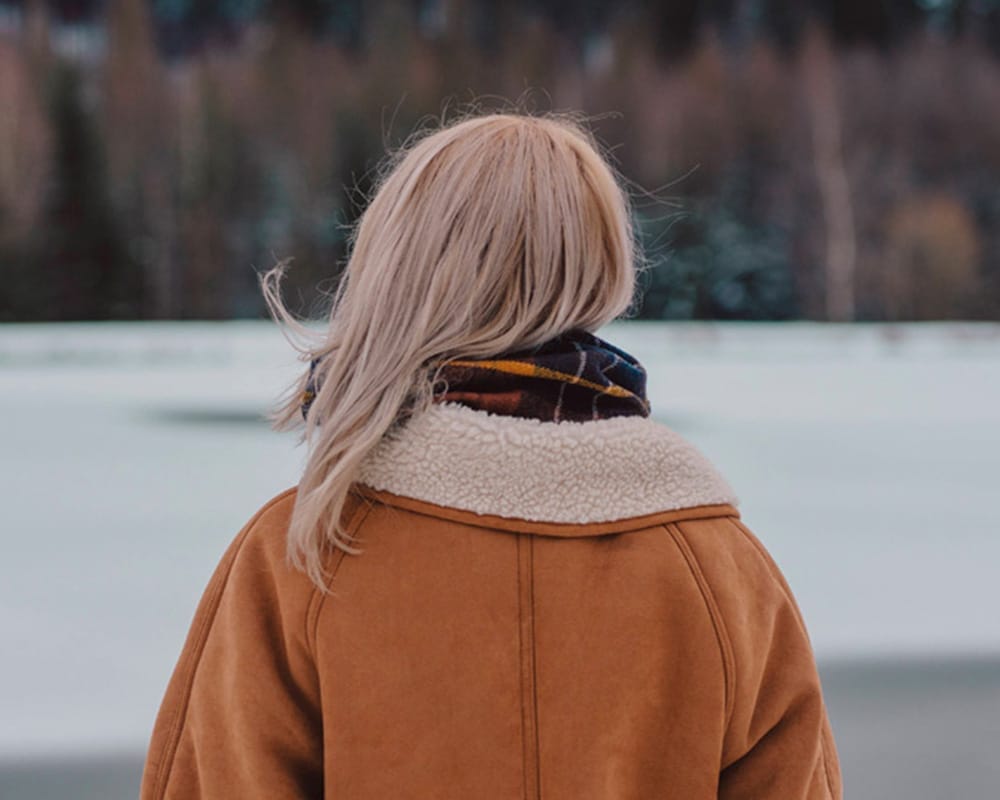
x=817 y=189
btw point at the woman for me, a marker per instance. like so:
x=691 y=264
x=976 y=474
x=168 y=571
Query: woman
x=498 y=576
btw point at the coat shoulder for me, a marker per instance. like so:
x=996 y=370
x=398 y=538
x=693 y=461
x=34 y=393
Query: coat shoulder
x=252 y=612
x=267 y=528
x=775 y=709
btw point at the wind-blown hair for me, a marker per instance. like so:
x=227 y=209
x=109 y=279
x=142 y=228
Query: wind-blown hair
x=492 y=233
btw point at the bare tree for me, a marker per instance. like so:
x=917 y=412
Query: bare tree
x=819 y=75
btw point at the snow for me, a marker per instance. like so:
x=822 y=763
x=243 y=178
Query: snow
x=865 y=457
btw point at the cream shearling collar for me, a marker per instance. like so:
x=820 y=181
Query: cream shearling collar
x=567 y=472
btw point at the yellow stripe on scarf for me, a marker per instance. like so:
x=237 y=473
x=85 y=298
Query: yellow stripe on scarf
x=534 y=371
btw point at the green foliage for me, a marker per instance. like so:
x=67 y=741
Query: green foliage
x=720 y=267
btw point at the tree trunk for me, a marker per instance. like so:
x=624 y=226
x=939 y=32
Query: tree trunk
x=831 y=174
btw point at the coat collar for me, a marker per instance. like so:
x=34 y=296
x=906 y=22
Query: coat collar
x=566 y=473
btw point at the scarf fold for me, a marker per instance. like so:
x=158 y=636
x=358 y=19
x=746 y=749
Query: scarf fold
x=575 y=376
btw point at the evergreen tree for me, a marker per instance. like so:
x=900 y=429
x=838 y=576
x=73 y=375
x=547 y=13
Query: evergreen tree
x=81 y=262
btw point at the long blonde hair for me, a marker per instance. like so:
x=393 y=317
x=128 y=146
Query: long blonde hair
x=494 y=232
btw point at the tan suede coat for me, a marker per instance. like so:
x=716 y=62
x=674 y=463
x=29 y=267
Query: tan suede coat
x=565 y=611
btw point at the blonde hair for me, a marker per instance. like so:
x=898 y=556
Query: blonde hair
x=494 y=232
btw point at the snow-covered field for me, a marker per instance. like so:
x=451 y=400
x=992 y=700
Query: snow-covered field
x=866 y=457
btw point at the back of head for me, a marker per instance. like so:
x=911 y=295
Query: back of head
x=496 y=232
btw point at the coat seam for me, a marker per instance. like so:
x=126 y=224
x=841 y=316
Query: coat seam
x=534 y=671
x=773 y=571
x=715 y=615
x=826 y=765
x=520 y=652
x=531 y=777
x=165 y=769
x=826 y=739
x=317 y=601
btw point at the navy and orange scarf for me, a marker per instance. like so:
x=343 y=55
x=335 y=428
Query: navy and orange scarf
x=575 y=376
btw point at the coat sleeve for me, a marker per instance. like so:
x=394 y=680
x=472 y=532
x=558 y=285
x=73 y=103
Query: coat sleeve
x=240 y=717
x=778 y=743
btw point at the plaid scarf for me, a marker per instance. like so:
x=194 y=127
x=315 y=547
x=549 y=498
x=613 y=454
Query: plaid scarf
x=574 y=376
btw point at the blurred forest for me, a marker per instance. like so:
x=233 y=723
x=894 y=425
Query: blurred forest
x=789 y=158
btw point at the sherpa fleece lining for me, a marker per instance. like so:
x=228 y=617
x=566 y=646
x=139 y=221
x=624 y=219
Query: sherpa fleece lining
x=575 y=472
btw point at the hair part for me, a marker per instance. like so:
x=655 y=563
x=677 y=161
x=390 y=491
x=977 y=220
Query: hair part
x=494 y=232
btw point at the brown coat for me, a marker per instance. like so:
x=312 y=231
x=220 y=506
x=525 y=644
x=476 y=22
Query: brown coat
x=563 y=611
